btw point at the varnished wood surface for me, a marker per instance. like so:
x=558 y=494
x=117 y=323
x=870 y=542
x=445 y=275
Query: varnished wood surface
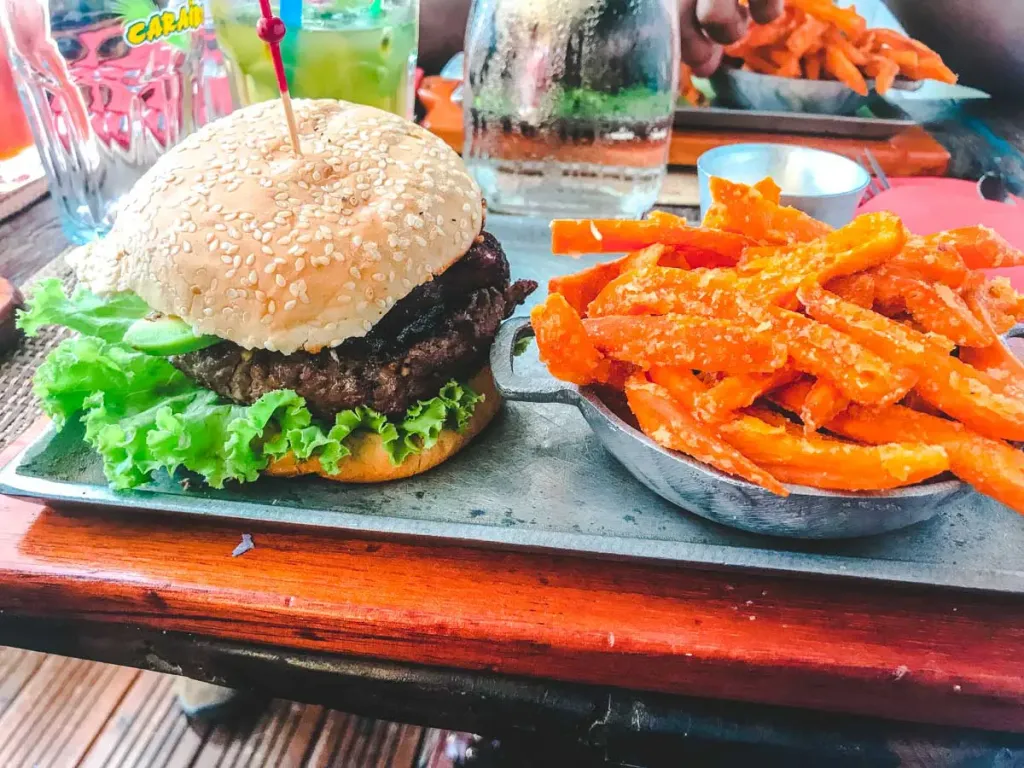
x=912 y=152
x=905 y=654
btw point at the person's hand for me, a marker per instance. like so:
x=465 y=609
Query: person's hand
x=706 y=25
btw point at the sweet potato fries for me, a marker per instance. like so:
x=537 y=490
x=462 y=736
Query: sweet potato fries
x=773 y=348
x=816 y=40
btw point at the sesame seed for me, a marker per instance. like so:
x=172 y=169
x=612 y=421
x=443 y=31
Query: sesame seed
x=281 y=282
x=271 y=307
x=250 y=260
x=269 y=269
x=253 y=277
x=289 y=305
x=300 y=264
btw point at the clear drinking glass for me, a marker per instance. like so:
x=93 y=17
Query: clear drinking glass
x=362 y=51
x=568 y=104
x=107 y=88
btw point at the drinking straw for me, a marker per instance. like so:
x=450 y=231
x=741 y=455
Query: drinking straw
x=271 y=30
x=291 y=15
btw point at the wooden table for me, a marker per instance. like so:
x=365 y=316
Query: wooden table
x=477 y=639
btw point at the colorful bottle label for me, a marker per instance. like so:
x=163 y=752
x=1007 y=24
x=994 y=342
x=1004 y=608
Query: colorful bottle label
x=145 y=24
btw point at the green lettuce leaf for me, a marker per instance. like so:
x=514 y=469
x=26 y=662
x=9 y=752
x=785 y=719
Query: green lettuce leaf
x=142 y=415
x=105 y=318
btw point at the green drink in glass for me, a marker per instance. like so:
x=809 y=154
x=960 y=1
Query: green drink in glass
x=362 y=51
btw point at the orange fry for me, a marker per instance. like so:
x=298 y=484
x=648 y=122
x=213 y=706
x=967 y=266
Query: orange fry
x=980 y=247
x=660 y=290
x=682 y=383
x=805 y=36
x=858 y=288
x=733 y=393
x=935 y=307
x=754 y=62
x=999 y=363
x=932 y=69
x=990 y=466
x=760 y=35
x=884 y=71
x=823 y=403
x=563 y=344
x=936 y=262
x=698 y=342
x=867 y=241
x=968 y=395
x=907 y=61
x=833 y=464
x=845 y=71
x=581 y=288
x=847 y=20
x=824 y=352
x=744 y=210
x=769 y=190
x=672 y=427
x=691 y=255
x=848 y=49
x=996 y=360
x=575 y=236
x=814 y=63
x=994 y=302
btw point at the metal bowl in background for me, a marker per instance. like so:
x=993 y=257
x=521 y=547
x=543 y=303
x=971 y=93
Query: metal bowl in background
x=771 y=93
x=823 y=184
x=980 y=40
x=740 y=89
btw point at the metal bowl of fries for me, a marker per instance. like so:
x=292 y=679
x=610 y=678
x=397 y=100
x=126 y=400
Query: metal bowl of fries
x=775 y=374
x=770 y=93
x=741 y=89
x=807 y=513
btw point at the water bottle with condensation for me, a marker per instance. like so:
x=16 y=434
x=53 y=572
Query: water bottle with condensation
x=568 y=104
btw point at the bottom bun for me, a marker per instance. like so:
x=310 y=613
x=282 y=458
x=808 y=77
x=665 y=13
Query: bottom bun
x=370 y=463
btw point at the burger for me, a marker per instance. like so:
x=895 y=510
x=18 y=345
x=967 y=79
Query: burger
x=256 y=310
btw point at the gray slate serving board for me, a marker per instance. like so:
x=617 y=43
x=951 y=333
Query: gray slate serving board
x=538 y=479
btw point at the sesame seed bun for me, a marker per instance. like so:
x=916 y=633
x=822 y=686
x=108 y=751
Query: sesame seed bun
x=233 y=233
x=370 y=463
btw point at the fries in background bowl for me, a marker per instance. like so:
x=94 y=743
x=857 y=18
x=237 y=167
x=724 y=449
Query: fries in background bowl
x=775 y=349
x=816 y=40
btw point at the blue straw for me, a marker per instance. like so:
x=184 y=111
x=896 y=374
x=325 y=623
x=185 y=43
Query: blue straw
x=291 y=15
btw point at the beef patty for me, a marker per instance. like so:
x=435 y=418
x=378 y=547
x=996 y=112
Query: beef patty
x=442 y=330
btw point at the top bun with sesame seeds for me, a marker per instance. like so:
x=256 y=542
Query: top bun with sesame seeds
x=244 y=240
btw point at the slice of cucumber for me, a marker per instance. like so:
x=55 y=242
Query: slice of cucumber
x=163 y=335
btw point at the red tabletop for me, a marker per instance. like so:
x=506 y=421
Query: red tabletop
x=915 y=654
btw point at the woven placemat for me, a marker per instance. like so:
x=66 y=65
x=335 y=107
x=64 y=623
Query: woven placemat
x=18 y=406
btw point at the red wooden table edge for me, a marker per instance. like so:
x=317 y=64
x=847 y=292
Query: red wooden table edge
x=906 y=654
